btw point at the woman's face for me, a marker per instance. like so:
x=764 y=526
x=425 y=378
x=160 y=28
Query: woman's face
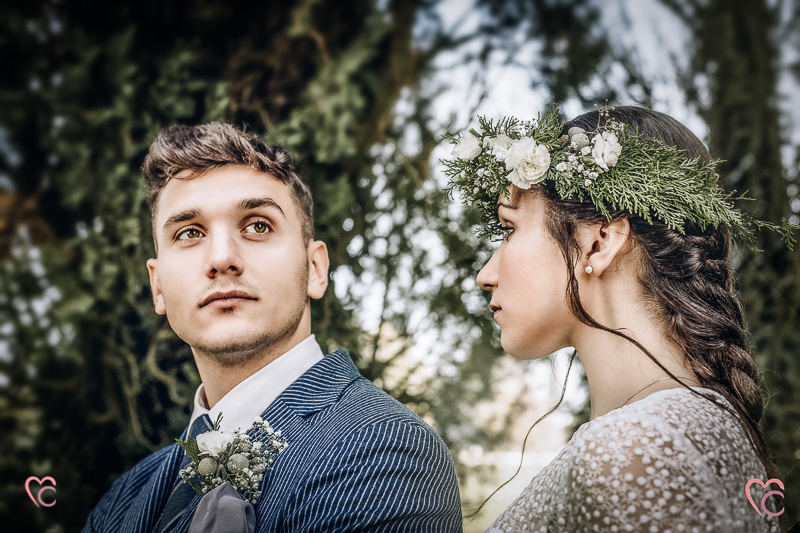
x=528 y=279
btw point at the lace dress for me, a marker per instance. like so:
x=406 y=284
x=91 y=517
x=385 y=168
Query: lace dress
x=671 y=462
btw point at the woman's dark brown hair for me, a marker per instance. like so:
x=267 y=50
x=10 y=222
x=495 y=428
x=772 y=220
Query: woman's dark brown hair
x=687 y=279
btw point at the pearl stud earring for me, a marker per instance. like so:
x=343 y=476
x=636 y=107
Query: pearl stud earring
x=588 y=269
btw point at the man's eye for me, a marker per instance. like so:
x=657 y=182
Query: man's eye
x=190 y=233
x=258 y=227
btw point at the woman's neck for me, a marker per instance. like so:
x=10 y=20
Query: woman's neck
x=618 y=372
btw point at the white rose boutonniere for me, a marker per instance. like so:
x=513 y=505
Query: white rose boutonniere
x=528 y=163
x=214 y=442
x=239 y=458
x=499 y=145
x=606 y=150
x=468 y=147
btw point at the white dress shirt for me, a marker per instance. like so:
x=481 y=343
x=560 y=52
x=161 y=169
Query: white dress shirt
x=247 y=400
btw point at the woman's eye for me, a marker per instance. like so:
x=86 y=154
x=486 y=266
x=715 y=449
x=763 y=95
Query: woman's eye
x=507 y=231
x=190 y=233
x=258 y=227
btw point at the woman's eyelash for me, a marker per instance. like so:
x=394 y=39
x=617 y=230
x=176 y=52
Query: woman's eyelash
x=507 y=231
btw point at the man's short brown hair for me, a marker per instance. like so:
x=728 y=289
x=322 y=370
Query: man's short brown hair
x=199 y=149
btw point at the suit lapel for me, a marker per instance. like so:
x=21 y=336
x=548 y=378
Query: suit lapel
x=321 y=385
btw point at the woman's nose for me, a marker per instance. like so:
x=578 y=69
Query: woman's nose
x=487 y=277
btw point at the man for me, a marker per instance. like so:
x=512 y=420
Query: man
x=236 y=267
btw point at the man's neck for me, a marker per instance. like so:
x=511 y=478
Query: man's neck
x=218 y=380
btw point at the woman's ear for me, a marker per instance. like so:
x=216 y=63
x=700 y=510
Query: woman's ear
x=601 y=244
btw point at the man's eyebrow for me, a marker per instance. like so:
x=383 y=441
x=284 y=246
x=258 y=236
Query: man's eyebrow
x=183 y=216
x=253 y=203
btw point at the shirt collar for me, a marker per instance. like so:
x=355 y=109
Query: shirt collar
x=247 y=400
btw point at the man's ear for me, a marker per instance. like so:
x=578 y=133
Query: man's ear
x=318 y=264
x=158 y=296
x=600 y=245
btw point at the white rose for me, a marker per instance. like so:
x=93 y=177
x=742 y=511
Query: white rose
x=499 y=145
x=468 y=147
x=606 y=150
x=528 y=163
x=214 y=442
x=579 y=140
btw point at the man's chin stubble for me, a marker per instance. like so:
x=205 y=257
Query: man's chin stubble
x=242 y=350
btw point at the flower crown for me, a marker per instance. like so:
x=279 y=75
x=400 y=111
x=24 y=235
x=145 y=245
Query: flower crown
x=616 y=168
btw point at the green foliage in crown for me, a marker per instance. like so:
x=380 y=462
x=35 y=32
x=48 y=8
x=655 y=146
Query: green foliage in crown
x=616 y=169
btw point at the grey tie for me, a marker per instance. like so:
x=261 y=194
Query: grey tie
x=182 y=493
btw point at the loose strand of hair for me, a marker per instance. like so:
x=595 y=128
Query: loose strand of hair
x=474 y=513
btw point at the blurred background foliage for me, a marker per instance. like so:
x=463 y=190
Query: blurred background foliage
x=92 y=380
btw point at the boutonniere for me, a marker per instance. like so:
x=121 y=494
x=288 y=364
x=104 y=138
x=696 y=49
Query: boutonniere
x=240 y=458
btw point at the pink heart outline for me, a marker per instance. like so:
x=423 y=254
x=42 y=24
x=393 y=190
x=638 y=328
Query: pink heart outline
x=40 y=481
x=756 y=480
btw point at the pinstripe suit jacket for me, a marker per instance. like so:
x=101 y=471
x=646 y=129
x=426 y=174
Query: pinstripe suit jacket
x=357 y=461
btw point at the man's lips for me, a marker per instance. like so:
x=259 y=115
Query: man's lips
x=225 y=299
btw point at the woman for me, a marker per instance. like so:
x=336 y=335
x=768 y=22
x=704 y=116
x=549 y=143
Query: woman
x=615 y=241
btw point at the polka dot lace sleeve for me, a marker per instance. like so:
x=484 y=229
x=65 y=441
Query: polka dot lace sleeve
x=672 y=462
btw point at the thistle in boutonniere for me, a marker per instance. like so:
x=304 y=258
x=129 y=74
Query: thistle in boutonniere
x=239 y=458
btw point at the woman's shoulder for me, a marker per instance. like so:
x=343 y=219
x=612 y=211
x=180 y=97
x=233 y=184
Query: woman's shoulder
x=660 y=456
x=696 y=429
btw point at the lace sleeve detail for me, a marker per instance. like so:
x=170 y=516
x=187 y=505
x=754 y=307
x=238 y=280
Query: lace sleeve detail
x=634 y=476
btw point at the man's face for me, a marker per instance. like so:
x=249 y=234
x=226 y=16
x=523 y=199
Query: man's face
x=232 y=273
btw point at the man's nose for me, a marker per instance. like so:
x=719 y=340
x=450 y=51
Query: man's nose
x=224 y=256
x=487 y=277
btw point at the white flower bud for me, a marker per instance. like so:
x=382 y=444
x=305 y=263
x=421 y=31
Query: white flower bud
x=214 y=442
x=468 y=147
x=528 y=162
x=606 y=150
